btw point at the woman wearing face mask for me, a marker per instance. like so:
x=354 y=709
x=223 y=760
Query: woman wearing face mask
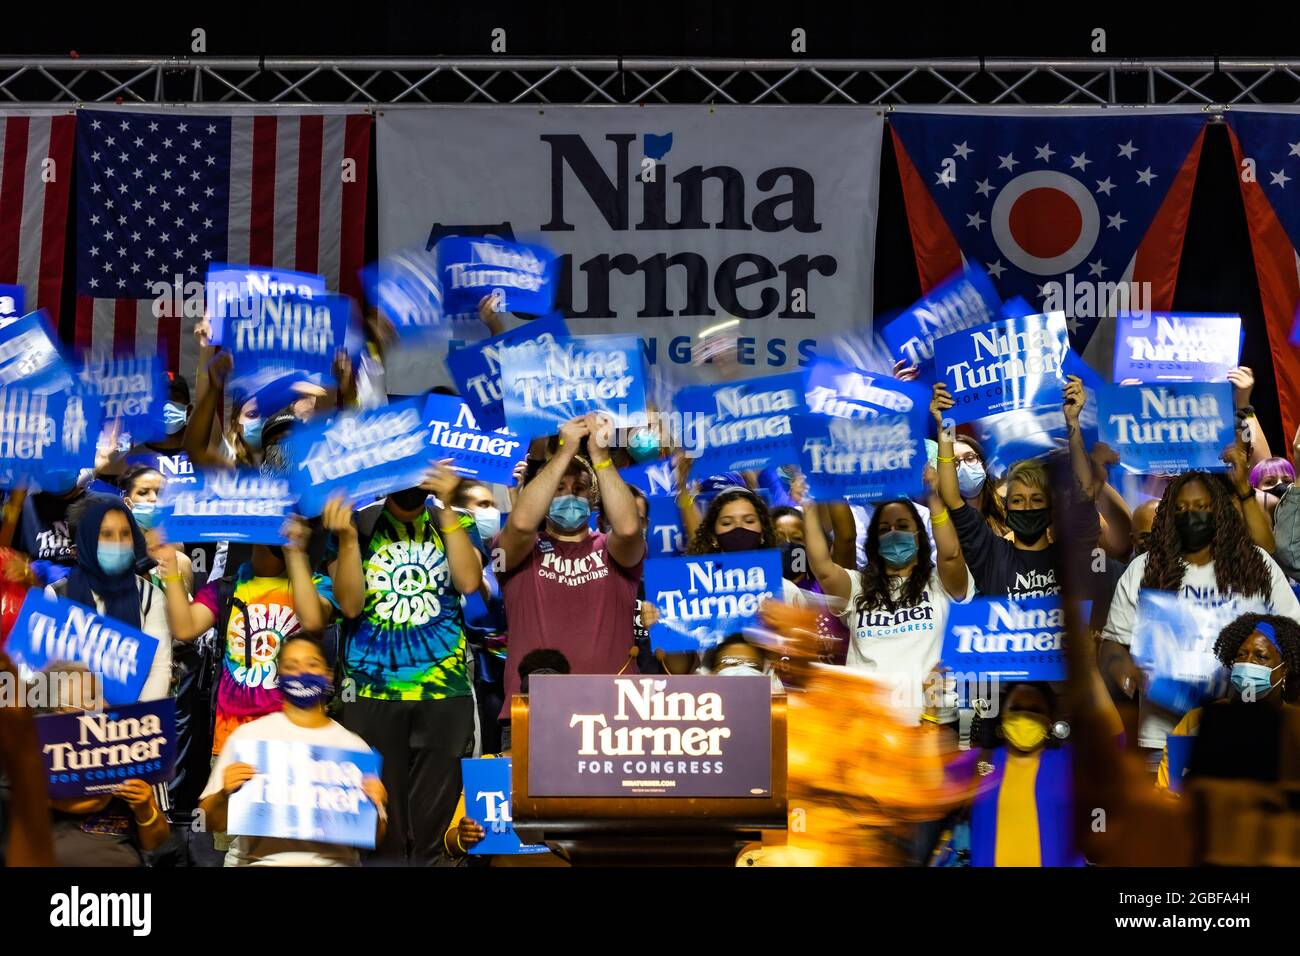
x=141 y=487
x=1261 y=652
x=306 y=685
x=896 y=606
x=111 y=556
x=739 y=520
x=1271 y=479
x=1199 y=548
x=978 y=491
x=1026 y=817
x=241 y=444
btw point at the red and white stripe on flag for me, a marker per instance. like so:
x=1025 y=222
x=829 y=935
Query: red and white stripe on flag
x=290 y=208
x=35 y=185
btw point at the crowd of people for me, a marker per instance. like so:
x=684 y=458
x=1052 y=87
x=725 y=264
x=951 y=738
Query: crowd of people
x=406 y=625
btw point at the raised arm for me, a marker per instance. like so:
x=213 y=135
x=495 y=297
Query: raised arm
x=1080 y=462
x=952 y=562
x=185 y=618
x=30 y=839
x=313 y=611
x=626 y=543
x=949 y=491
x=520 y=533
x=1256 y=442
x=834 y=580
x=844 y=532
x=690 y=515
x=198 y=435
x=1257 y=521
x=345 y=570
x=463 y=558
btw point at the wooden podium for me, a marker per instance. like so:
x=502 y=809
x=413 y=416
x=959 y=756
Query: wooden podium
x=646 y=830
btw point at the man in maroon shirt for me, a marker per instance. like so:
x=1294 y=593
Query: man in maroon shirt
x=565 y=587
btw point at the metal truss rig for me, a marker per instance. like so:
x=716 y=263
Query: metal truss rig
x=1211 y=82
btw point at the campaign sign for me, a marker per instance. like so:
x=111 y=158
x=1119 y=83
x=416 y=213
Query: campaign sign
x=608 y=736
x=476 y=369
x=846 y=459
x=1173 y=642
x=483 y=456
x=12 y=299
x=1003 y=366
x=406 y=289
x=543 y=388
x=703 y=598
x=842 y=391
x=49 y=630
x=522 y=276
x=964 y=300
x=132 y=389
x=1176 y=347
x=487 y=803
x=665 y=538
x=287 y=339
x=46 y=438
x=230 y=291
x=1009 y=640
x=363 y=455
x=654 y=477
x=88 y=754
x=30 y=356
x=1169 y=428
x=242 y=505
x=741 y=426
x=305 y=792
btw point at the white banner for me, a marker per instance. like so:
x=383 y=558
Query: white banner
x=667 y=219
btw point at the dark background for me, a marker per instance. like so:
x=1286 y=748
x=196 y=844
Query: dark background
x=1217 y=271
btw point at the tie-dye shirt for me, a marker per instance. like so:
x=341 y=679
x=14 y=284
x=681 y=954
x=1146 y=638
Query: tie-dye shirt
x=409 y=642
x=249 y=685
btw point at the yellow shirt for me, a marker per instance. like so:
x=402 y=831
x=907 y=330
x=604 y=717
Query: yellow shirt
x=1018 y=812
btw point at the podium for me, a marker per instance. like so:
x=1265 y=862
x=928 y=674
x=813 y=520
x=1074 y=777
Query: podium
x=579 y=819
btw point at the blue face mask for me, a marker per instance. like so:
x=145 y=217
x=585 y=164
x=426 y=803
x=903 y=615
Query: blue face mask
x=174 y=417
x=146 y=514
x=569 y=512
x=114 y=558
x=970 y=479
x=253 y=434
x=642 y=445
x=1256 y=676
x=898 y=548
x=306 y=690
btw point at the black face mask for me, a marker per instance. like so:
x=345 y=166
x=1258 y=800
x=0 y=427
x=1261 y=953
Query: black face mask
x=740 y=539
x=1278 y=490
x=1029 y=524
x=794 y=561
x=1195 y=529
x=409 y=499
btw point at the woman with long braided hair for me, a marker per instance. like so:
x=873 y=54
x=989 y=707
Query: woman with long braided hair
x=1201 y=550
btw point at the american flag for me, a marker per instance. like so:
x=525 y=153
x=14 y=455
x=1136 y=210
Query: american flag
x=1267 y=145
x=35 y=180
x=161 y=195
x=1084 y=198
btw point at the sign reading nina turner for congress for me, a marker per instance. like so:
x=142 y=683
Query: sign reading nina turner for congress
x=664 y=219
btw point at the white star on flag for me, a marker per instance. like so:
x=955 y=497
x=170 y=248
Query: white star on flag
x=984 y=187
x=996 y=268
x=1044 y=152
x=1096 y=268
x=975 y=220
x=1008 y=161
x=1080 y=162
x=961 y=150
x=1280 y=179
x=1145 y=176
x=1105 y=185
x=1115 y=221
x=1127 y=150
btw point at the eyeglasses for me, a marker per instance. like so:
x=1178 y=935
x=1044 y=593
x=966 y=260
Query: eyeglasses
x=971 y=459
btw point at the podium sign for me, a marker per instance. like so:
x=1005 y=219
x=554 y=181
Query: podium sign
x=689 y=736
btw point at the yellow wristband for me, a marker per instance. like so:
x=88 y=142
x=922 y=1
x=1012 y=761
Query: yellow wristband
x=931 y=718
x=940 y=518
x=173 y=578
x=605 y=464
x=941 y=458
x=150 y=820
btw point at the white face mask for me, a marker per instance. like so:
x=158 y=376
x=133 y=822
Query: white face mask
x=488 y=521
x=739 y=670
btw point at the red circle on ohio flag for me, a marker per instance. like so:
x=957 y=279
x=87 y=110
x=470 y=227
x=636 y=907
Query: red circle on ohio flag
x=1045 y=222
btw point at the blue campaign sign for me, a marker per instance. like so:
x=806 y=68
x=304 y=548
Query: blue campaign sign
x=998 y=637
x=243 y=505
x=46 y=438
x=1178 y=750
x=477 y=454
x=305 y=792
x=470 y=267
x=362 y=455
x=406 y=289
x=12 y=299
x=93 y=753
x=1177 y=346
x=230 y=291
x=1169 y=428
x=30 y=355
x=741 y=426
x=654 y=477
x=132 y=389
x=665 y=537
x=476 y=369
x=49 y=630
x=487 y=803
x=842 y=391
x=962 y=301
x=288 y=339
x=856 y=459
x=703 y=598
x=1003 y=366
x=1015 y=307
x=543 y=388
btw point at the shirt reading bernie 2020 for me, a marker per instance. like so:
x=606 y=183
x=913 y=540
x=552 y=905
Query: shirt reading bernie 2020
x=409 y=643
